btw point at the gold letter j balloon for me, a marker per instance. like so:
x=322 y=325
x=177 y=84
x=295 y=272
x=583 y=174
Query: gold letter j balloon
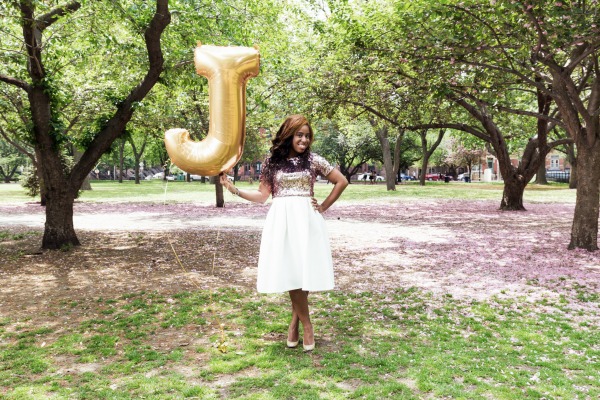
x=227 y=69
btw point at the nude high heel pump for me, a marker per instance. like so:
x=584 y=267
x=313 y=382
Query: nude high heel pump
x=308 y=347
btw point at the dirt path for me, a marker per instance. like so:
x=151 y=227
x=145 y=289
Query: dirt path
x=473 y=254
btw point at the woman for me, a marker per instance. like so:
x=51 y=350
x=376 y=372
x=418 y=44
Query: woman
x=294 y=250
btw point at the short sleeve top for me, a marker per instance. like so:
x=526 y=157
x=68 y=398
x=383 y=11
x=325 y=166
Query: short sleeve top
x=292 y=179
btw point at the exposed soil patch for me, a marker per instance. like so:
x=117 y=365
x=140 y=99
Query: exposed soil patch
x=467 y=250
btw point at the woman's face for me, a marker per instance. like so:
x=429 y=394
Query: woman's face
x=300 y=141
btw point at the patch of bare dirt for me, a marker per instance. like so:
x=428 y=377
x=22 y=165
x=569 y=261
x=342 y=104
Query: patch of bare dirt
x=469 y=252
x=472 y=251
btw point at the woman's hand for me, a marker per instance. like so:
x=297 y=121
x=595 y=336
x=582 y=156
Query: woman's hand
x=224 y=181
x=339 y=184
x=318 y=207
x=228 y=185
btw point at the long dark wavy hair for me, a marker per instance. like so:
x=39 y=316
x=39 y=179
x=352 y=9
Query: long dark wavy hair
x=282 y=145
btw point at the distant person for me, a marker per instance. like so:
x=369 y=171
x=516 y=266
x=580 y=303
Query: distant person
x=294 y=251
x=372 y=177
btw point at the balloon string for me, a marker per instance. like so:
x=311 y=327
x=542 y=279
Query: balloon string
x=222 y=345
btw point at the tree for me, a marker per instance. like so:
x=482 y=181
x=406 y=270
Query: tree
x=37 y=71
x=427 y=149
x=138 y=152
x=546 y=48
x=464 y=152
x=10 y=161
x=424 y=46
x=349 y=146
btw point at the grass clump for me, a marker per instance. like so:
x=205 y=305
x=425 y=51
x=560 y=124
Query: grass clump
x=157 y=191
x=6 y=236
x=402 y=345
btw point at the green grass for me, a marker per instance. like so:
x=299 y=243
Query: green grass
x=401 y=345
x=9 y=236
x=406 y=344
x=158 y=191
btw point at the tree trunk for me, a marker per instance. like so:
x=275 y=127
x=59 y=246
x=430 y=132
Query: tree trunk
x=58 y=229
x=86 y=185
x=427 y=153
x=540 y=177
x=137 y=155
x=219 y=192
x=136 y=167
x=573 y=161
x=61 y=189
x=512 y=196
x=573 y=175
x=584 y=232
x=136 y=170
x=397 y=148
x=43 y=190
x=121 y=148
x=348 y=177
x=423 y=169
x=390 y=177
x=8 y=176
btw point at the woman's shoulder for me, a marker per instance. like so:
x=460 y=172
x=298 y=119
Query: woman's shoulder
x=314 y=157
x=320 y=164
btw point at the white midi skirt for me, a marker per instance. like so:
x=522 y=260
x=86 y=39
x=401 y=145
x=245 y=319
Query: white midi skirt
x=294 y=249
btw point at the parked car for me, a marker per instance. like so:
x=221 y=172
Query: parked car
x=434 y=177
x=463 y=177
x=367 y=177
x=407 y=177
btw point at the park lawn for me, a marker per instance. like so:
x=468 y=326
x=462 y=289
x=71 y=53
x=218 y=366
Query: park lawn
x=158 y=191
x=406 y=344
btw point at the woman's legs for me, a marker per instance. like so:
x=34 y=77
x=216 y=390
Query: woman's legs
x=300 y=305
x=293 y=335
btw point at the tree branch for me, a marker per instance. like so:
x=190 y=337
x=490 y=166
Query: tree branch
x=122 y=116
x=459 y=127
x=560 y=142
x=21 y=149
x=15 y=82
x=48 y=19
x=528 y=113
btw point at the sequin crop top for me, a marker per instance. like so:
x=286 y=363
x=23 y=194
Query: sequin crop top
x=294 y=180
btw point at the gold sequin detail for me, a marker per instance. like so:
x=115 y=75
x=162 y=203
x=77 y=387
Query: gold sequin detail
x=293 y=180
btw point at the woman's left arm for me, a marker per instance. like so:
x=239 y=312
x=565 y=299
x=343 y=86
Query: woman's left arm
x=339 y=184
